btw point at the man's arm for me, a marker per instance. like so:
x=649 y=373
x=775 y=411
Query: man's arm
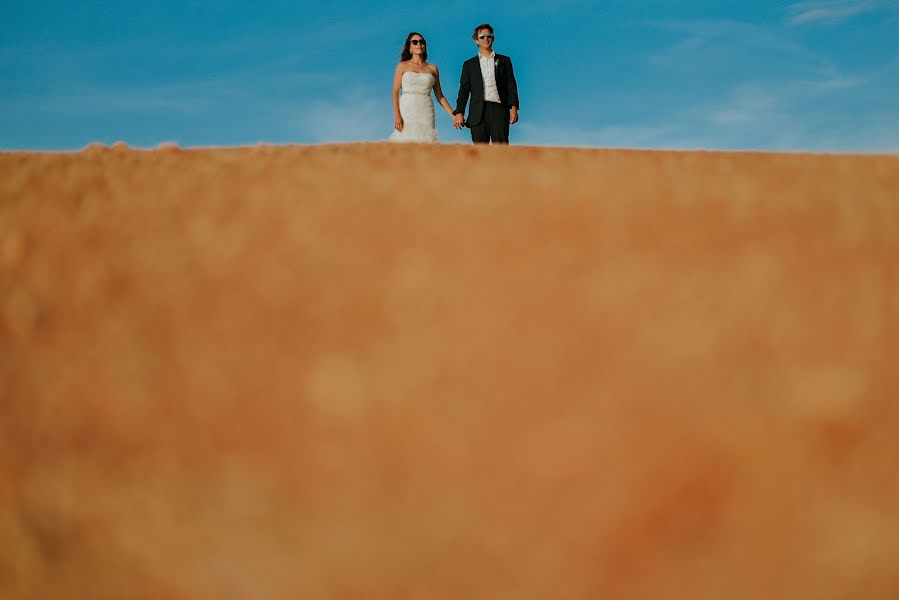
x=464 y=92
x=512 y=94
x=512 y=87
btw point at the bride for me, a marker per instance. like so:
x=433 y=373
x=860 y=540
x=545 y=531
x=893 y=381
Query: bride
x=413 y=111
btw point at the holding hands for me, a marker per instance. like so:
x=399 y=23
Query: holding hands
x=487 y=80
x=459 y=120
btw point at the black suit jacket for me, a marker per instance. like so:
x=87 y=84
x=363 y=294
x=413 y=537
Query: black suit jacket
x=471 y=83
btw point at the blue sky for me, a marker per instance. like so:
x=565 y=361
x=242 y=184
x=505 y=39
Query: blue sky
x=818 y=75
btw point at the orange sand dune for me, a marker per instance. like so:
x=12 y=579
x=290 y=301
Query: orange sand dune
x=383 y=372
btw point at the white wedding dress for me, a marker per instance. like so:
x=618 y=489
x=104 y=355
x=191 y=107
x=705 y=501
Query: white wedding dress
x=417 y=110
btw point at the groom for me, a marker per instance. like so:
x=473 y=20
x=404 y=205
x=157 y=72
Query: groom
x=490 y=80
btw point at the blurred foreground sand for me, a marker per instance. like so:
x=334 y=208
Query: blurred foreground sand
x=381 y=372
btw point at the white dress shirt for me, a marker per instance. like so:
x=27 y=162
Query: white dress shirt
x=488 y=74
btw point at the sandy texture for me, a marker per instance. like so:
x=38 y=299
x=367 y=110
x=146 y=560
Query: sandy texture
x=382 y=372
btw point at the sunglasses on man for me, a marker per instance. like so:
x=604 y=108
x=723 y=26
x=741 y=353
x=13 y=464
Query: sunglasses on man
x=486 y=35
x=417 y=42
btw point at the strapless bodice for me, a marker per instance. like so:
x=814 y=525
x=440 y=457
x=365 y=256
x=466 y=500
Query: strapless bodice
x=418 y=83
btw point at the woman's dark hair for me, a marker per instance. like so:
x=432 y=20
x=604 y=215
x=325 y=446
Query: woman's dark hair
x=406 y=54
x=487 y=26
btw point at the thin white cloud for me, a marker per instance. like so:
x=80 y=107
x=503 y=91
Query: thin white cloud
x=351 y=116
x=777 y=116
x=91 y=100
x=760 y=115
x=828 y=11
x=835 y=83
x=811 y=104
x=175 y=97
x=757 y=115
x=708 y=40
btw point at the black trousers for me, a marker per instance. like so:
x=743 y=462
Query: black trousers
x=494 y=125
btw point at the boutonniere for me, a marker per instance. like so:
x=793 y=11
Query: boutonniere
x=496 y=62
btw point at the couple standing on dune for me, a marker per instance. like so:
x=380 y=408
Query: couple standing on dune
x=488 y=78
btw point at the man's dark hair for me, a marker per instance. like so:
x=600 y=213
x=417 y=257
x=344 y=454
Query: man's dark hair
x=474 y=35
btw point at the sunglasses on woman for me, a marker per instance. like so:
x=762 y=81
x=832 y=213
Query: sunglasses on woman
x=417 y=42
x=486 y=35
